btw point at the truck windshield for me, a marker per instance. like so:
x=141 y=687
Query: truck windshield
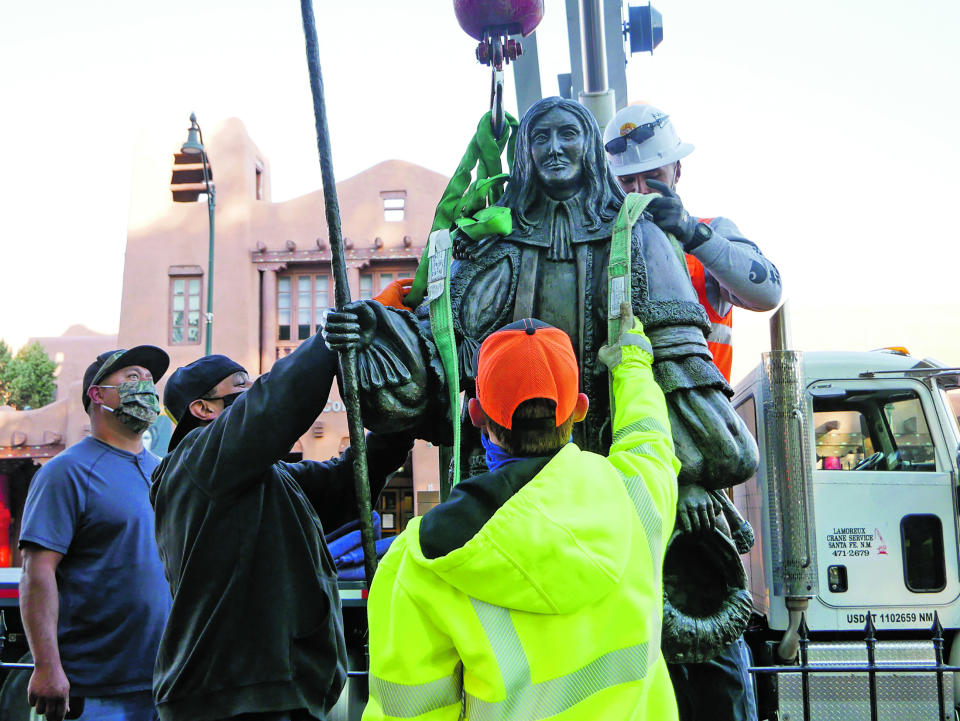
x=877 y=429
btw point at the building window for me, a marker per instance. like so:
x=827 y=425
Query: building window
x=259 y=182
x=394 y=205
x=301 y=300
x=373 y=282
x=393 y=209
x=366 y=286
x=185 y=310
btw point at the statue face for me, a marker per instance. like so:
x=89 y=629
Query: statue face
x=556 y=146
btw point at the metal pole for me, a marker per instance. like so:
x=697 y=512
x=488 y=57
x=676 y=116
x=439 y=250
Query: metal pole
x=938 y=655
x=526 y=75
x=594 y=47
x=596 y=96
x=616 y=56
x=871 y=631
x=804 y=632
x=348 y=358
x=211 y=204
x=780 y=338
x=576 y=48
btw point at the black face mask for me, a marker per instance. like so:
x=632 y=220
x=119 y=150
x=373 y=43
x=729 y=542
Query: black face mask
x=227 y=399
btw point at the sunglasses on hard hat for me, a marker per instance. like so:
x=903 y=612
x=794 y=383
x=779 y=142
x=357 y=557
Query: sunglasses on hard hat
x=639 y=134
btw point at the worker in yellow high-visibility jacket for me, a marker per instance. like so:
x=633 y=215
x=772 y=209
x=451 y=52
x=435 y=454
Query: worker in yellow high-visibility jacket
x=535 y=591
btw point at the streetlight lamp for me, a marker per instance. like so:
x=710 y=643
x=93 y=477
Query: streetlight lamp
x=186 y=186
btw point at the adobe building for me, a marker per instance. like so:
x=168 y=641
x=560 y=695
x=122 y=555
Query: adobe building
x=272 y=278
x=272 y=282
x=29 y=438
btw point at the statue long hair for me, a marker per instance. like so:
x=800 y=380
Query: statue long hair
x=601 y=198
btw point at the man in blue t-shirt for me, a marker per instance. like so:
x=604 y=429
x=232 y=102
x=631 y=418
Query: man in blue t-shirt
x=93 y=596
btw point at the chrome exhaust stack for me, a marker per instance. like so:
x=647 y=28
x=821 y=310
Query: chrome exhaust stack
x=790 y=482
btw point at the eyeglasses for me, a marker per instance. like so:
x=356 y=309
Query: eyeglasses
x=639 y=134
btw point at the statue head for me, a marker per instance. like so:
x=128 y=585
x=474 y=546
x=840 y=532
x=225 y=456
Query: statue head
x=557 y=144
x=559 y=154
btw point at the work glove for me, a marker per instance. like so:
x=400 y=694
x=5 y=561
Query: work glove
x=351 y=327
x=671 y=217
x=631 y=333
x=395 y=293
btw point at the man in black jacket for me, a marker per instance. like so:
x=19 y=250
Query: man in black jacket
x=255 y=626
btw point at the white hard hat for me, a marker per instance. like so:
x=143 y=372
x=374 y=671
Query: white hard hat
x=642 y=138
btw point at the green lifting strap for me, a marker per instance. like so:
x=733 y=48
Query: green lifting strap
x=619 y=288
x=465 y=198
x=439 y=255
x=469 y=207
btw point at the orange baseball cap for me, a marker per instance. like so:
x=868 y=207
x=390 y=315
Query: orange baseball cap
x=526 y=359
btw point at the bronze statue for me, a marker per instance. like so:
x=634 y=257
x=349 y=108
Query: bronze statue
x=553 y=266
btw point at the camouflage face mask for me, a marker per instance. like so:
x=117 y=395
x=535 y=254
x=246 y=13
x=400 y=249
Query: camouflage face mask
x=139 y=404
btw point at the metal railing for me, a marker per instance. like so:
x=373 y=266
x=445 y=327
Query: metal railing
x=76 y=703
x=805 y=668
x=3 y=641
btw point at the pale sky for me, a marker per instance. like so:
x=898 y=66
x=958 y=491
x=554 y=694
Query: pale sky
x=827 y=130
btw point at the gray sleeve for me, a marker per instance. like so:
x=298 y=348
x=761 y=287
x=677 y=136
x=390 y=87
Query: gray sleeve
x=741 y=275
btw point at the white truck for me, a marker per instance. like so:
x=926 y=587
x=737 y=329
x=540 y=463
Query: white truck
x=855 y=510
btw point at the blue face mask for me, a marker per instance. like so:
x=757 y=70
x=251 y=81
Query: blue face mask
x=496 y=456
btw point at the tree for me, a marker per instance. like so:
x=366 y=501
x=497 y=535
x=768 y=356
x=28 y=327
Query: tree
x=5 y=357
x=26 y=380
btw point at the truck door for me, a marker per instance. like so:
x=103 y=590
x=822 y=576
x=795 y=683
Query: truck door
x=884 y=506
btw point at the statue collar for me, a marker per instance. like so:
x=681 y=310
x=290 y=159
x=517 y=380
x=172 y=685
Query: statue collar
x=558 y=224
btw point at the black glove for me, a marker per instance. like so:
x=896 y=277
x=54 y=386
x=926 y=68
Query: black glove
x=668 y=213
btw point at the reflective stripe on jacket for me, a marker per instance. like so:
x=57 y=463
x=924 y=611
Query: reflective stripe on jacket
x=552 y=609
x=721 y=327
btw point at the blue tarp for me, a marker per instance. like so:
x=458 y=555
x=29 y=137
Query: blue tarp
x=346 y=548
x=355 y=557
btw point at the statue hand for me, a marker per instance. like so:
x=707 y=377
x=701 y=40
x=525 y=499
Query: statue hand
x=464 y=248
x=351 y=327
x=712 y=442
x=697 y=510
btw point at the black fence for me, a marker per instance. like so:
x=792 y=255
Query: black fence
x=871 y=668
x=803 y=667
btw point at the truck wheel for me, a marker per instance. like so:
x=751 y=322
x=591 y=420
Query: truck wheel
x=13 y=694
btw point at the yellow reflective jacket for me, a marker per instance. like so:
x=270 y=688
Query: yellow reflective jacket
x=550 y=604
